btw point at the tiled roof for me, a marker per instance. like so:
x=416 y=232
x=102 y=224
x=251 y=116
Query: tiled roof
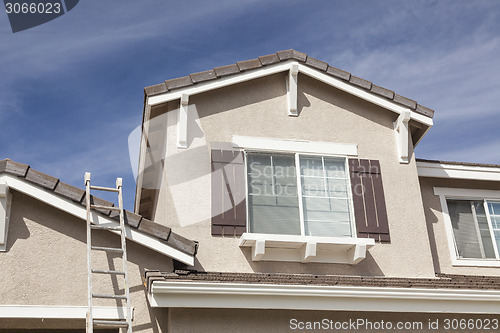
x=277 y=57
x=460 y=163
x=76 y=194
x=441 y=281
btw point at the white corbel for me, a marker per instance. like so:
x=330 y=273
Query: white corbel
x=182 y=128
x=402 y=136
x=292 y=89
x=357 y=253
x=258 y=250
x=308 y=252
x=5 y=200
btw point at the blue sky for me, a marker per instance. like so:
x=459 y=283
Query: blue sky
x=71 y=90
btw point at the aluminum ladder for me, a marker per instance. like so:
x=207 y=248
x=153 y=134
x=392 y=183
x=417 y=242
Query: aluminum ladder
x=91 y=322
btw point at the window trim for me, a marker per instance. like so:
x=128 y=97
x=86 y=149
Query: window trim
x=354 y=233
x=465 y=194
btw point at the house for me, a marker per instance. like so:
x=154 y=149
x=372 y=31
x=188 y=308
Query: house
x=274 y=194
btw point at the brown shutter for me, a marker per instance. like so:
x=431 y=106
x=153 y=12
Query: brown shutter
x=228 y=193
x=368 y=200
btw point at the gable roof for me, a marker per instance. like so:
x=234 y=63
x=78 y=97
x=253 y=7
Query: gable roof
x=77 y=196
x=242 y=66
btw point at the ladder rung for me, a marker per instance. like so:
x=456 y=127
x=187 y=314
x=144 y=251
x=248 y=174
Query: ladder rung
x=105 y=227
x=110 y=323
x=109 y=296
x=105 y=207
x=102 y=188
x=102 y=248
x=98 y=271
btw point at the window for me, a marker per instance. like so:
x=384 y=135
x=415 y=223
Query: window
x=298 y=194
x=476 y=228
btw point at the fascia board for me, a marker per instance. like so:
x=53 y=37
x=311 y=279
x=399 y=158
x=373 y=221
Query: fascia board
x=332 y=298
x=441 y=170
x=61 y=312
x=79 y=211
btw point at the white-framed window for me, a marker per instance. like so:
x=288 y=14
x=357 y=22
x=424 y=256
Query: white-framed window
x=299 y=194
x=476 y=228
x=472 y=220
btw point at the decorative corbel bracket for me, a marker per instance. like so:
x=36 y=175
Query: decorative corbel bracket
x=401 y=130
x=292 y=80
x=5 y=200
x=182 y=128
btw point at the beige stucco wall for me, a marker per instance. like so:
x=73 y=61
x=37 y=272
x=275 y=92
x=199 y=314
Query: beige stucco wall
x=242 y=321
x=436 y=225
x=259 y=108
x=45 y=264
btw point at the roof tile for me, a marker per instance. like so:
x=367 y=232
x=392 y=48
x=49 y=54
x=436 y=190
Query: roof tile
x=69 y=191
x=181 y=243
x=203 y=76
x=152 y=228
x=405 y=101
x=178 y=82
x=382 y=91
x=365 y=84
x=132 y=219
x=42 y=179
x=291 y=54
x=249 y=64
x=318 y=64
x=226 y=70
x=425 y=111
x=18 y=169
x=269 y=59
x=156 y=89
x=338 y=73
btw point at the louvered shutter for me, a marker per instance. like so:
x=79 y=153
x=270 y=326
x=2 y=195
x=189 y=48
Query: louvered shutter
x=228 y=193
x=368 y=199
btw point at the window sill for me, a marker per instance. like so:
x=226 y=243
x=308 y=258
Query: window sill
x=332 y=250
x=475 y=263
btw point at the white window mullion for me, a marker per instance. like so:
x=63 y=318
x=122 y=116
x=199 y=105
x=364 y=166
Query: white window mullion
x=490 y=226
x=246 y=191
x=478 y=231
x=354 y=232
x=299 y=194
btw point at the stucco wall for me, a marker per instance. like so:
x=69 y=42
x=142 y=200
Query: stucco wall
x=436 y=225
x=242 y=321
x=45 y=264
x=259 y=108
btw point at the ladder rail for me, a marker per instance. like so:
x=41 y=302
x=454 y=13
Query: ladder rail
x=90 y=318
x=127 y=322
x=119 y=185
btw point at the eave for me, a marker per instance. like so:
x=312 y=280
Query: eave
x=194 y=294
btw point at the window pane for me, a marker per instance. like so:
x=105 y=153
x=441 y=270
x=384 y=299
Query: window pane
x=313 y=186
x=337 y=187
x=482 y=222
x=494 y=210
x=272 y=200
x=311 y=166
x=335 y=167
x=465 y=229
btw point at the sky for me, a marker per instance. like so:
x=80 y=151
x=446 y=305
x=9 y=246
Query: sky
x=71 y=90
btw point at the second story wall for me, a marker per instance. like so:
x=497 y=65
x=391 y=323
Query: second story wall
x=258 y=108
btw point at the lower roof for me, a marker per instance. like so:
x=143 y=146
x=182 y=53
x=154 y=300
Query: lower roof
x=77 y=195
x=440 y=281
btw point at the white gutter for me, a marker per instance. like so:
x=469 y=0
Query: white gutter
x=79 y=211
x=443 y=170
x=331 y=298
x=61 y=312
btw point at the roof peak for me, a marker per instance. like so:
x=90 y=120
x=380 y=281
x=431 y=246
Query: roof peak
x=282 y=56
